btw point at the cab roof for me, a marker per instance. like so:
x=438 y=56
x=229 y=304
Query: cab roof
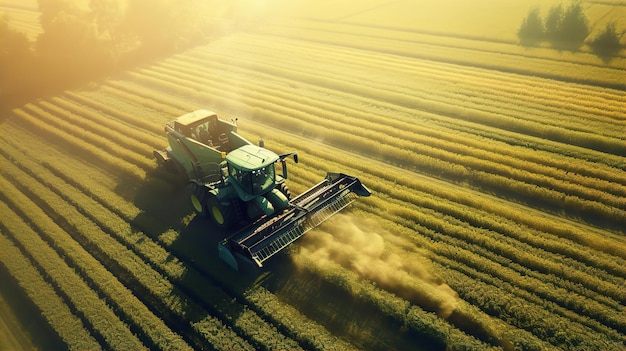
x=251 y=157
x=193 y=117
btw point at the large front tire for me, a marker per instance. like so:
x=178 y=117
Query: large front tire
x=223 y=216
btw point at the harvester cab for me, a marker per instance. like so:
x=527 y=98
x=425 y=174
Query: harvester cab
x=236 y=185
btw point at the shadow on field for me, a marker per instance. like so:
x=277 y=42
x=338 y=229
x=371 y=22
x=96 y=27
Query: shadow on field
x=167 y=217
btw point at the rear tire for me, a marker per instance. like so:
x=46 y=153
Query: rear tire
x=222 y=216
x=198 y=200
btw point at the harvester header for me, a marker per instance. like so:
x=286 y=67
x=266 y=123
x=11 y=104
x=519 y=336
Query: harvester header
x=236 y=184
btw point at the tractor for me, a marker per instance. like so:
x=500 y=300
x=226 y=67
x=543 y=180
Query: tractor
x=235 y=183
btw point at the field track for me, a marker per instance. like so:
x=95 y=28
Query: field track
x=497 y=216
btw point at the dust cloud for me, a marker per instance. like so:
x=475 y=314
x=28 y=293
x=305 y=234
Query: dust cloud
x=358 y=244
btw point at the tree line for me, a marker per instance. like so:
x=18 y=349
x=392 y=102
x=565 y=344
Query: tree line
x=567 y=28
x=85 y=43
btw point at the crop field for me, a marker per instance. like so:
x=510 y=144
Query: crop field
x=497 y=218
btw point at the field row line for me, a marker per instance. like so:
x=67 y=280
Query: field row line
x=570 y=169
x=567 y=233
x=92 y=133
x=143 y=267
x=405 y=134
x=447 y=82
x=146 y=222
x=590 y=210
x=526 y=280
x=515 y=140
x=98 y=317
x=53 y=308
x=100 y=123
x=410 y=97
x=127 y=118
x=150 y=328
x=412 y=36
x=550 y=69
x=64 y=138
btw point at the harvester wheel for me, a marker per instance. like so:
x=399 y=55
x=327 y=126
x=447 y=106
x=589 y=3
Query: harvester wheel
x=285 y=190
x=198 y=201
x=222 y=216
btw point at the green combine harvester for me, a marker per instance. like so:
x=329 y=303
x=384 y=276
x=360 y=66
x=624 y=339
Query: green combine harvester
x=236 y=184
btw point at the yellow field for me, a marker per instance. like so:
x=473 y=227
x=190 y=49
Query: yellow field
x=496 y=220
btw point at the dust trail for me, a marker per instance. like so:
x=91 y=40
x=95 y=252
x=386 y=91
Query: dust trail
x=358 y=244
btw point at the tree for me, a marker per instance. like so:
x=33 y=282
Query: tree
x=531 y=32
x=606 y=44
x=573 y=29
x=16 y=64
x=553 y=22
x=564 y=28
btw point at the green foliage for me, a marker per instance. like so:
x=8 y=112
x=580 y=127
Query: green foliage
x=531 y=31
x=607 y=43
x=565 y=28
x=572 y=29
x=94 y=41
x=16 y=59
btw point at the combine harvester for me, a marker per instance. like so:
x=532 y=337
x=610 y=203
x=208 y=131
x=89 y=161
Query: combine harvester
x=235 y=183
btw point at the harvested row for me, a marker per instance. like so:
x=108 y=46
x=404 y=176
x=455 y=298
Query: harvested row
x=176 y=307
x=131 y=120
x=100 y=320
x=53 y=308
x=107 y=126
x=590 y=210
